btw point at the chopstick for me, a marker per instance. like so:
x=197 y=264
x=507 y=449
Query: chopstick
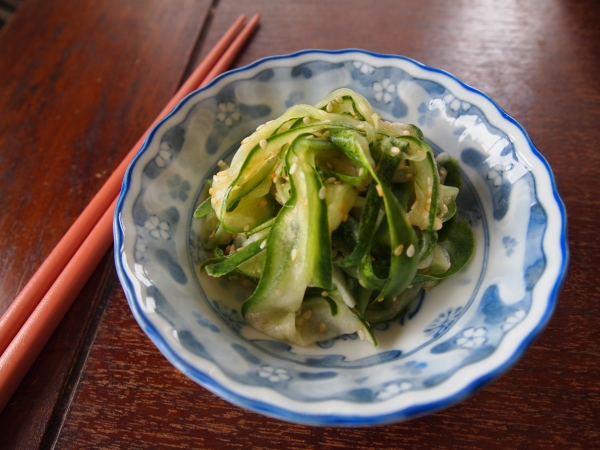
x=29 y=322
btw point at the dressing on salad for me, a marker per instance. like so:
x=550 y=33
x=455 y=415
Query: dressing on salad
x=338 y=218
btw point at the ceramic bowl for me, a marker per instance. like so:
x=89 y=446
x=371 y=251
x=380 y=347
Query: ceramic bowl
x=455 y=339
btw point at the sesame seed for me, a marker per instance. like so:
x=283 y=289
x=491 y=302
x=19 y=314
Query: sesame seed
x=293 y=168
x=361 y=335
x=247 y=226
x=379 y=190
x=409 y=286
x=406 y=132
x=410 y=251
x=330 y=180
x=361 y=171
x=339 y=99
x=307 y=314
x=222 y=164
x=302 y=175
x=324 y=294
x=212 y=235
x=263 y=143
x=322 y=327
x=429 y=181
x=437 y=225
x=398 y=250
x=322 y=192
x=361 y=126
x=294 y=254
x=410 y=176
x=380 y=299
x=395 y=150
x=394 y=298
x=211 y=191
x=329 y=107
x=306 y=120
x=263 y=244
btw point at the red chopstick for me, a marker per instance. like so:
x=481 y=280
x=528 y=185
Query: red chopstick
x=34 y=315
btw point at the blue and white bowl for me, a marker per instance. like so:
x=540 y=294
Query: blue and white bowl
x=455 y=339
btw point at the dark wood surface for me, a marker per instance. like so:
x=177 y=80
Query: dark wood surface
x=79 y=82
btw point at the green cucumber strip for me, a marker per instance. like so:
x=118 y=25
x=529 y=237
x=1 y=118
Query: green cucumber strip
x=312 y=209
x=204 y=208
x=368 y=218
x=220 y=268
x=388 y=309
x=460 y=245
x=260 y=162
x=320 y=324
x=404 y=247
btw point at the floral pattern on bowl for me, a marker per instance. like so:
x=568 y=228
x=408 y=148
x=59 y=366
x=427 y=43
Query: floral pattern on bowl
x=454 y=339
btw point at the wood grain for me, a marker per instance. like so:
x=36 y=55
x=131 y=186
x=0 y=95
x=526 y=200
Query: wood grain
x=540 y=60
x=81 y=81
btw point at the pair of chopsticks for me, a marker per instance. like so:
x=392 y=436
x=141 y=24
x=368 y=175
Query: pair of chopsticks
x=31 y=319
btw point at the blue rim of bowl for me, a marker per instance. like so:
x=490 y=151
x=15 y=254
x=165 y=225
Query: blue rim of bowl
x=329 y=419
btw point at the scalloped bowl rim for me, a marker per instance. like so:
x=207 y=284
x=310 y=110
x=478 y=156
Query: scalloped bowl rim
x=283 y=413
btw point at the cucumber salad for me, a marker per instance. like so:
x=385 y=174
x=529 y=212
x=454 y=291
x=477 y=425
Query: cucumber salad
x=338 y=218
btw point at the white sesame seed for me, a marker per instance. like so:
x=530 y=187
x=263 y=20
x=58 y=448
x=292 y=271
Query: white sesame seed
x=395 y=150
x=339 y=99
x=322 y=327
x=263 y=143
x=429 y=181
x=329 y=107
x=294 y=254
x=306 y=120
x=293 y=168
x=302 y=175
x=379 y=190
x=211 y=191
x=263 y=244
x=222 y=164
x=330 y=180
x=361 y=335
x=361 y=126
x=398 y=250
x=325 y=294
x=410 y=251
x=361 y=171
x=437 y=225
x=247 y=226
x=406 y=132
x=322 y=192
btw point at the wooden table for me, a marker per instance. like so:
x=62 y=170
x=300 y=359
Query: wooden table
x=80 y=80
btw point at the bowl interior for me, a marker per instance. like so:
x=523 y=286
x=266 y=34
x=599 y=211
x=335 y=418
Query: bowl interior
x=459 y=335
